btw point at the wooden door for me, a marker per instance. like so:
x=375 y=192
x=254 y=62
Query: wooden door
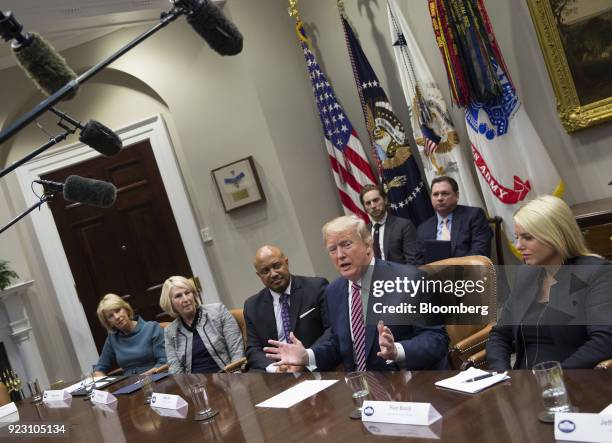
x=130 y=248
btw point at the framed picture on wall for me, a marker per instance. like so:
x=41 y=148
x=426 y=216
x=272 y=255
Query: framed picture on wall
x=238 y=184
x=576 y=39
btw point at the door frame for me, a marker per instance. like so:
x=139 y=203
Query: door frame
x=53 y=254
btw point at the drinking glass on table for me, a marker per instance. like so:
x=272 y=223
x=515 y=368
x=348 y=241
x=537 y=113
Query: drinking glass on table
x=87 y=382
x=358 y=383
x=147 y=388
x=549 y=376
x=199 y=396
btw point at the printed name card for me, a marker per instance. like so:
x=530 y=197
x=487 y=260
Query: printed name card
x=59 y=403
x=8 y=409
x=102 y=397
x=176 y=413
x=56 y=395
x=608 y=410
x=576 y=426
x=398 y=412
x=167 y=401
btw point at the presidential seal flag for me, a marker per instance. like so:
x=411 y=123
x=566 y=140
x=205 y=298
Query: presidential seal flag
x=432 y=127
x=348 y=161
x=512 y=163
x=406 y=191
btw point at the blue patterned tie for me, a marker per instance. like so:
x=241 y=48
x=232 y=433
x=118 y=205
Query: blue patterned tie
x=284 y=301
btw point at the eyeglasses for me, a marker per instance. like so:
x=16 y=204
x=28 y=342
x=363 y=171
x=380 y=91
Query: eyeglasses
x=276 y=266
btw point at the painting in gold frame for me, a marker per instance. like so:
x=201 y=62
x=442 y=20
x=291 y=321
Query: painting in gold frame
x=576 y=40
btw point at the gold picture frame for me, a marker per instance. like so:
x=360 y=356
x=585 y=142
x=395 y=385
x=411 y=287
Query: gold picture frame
x=581 y=101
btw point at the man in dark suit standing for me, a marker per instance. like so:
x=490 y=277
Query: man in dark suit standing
x=355 y=342
x=466 y=227
x=394 y=238
x=287 y=303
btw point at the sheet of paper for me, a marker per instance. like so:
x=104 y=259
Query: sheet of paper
x=458 y=382
x=78 y=385
x=296 y=394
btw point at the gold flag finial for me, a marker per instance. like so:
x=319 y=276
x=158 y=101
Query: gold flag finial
x=341 y=7
x=293 y=10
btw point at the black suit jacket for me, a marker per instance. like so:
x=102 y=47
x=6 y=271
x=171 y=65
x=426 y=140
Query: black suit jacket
x=308 y=317
x=470 y=233
x=581 y=302
x=399 y=240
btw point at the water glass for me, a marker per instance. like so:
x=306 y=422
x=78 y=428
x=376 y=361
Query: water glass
x=34 y=388
x=199 y=397
x=87 y=382
x=358 y=383
x=554 y=394
x=146 y=385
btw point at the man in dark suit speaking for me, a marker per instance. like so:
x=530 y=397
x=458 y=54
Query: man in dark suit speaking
x=465 y=227
x=355 y=343
x=394 y=238
x=288 y=303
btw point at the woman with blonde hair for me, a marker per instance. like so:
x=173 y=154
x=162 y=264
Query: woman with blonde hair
x=561 y=305
x=137 y=346
x=202 y=338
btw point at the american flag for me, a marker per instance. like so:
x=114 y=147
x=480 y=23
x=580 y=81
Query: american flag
x=348 y=161
x=405 y=188
x=430 y=138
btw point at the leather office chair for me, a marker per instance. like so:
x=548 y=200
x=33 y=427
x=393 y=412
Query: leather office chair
x=5 y=398
x=238 y=365
x=466 y=340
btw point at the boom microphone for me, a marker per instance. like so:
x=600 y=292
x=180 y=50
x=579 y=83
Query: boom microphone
x=208 y=21
x=84 y=190
x=41 y=62
x=93 y=133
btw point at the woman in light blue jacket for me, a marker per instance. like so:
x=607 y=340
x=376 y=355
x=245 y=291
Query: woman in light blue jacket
x=135 y=345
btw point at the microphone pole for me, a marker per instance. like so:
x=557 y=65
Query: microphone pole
x=72 y=86
x=46 y=197
x=52 y=141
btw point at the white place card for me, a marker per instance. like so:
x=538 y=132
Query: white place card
x=399 y=412
x=296 y=394
x=8 y=409
x=576 y=426
x=433 y=432
x=607 y=411
x=167 y=401
x=56 y=395
x=176 y=413
x=59 y=403
x=102 y=397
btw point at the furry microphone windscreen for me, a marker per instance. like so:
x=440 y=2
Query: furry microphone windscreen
x=89 y=191
x=101 y=138
x=221 y=34
x=44 y=65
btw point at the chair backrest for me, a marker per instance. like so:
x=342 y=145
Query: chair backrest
x=5 y=398
x=239 y=316
x=496 y=223
x=476 y=267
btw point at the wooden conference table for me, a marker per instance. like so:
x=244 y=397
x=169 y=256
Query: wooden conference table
x=505 y=412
